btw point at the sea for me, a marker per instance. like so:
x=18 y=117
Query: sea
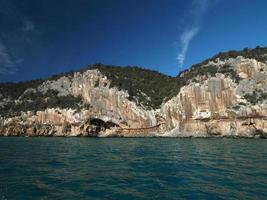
x=132 y=168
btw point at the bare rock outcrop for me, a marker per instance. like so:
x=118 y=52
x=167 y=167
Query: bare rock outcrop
x=221 y=106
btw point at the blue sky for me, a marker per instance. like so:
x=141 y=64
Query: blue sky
x=39 y=38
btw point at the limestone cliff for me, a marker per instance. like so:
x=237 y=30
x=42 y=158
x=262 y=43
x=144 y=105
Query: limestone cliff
x=223 y=96
x=220 y=105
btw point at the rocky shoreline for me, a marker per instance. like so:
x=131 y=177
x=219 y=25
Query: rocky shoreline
x=99 y=128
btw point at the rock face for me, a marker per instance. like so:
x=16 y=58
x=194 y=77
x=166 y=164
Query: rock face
x=219 y=105
x=222 y=97
x=105 y=103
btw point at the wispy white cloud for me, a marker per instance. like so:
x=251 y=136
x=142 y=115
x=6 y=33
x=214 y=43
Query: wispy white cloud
x=185 y=40
x=196 y=13
x=22 y=31
x=8 y=64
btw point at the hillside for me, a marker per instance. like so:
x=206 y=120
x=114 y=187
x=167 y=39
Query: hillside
x=223 y=95
x=145 y=87
x=207 y=67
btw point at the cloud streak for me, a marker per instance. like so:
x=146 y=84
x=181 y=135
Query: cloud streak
x=8 y=65
x=185 y=40
x=196 y=13
x=22 y=29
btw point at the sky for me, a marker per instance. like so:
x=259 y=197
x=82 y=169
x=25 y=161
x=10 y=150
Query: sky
x=39 y=38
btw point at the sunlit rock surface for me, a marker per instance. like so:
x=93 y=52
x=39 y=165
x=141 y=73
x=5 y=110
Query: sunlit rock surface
x=219 y=106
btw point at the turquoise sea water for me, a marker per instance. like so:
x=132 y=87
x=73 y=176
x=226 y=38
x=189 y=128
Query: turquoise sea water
x=134 y=168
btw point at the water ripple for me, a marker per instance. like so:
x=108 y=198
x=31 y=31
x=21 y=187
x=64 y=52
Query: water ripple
x=120 y=168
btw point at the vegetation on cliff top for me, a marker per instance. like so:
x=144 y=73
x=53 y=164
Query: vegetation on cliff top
x=37 y=101
x=14 y=90
x=147 y=87
x=258 y=53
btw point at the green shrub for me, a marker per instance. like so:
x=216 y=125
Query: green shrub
x=256 y=97
x=149 y=87
x=38 y=101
